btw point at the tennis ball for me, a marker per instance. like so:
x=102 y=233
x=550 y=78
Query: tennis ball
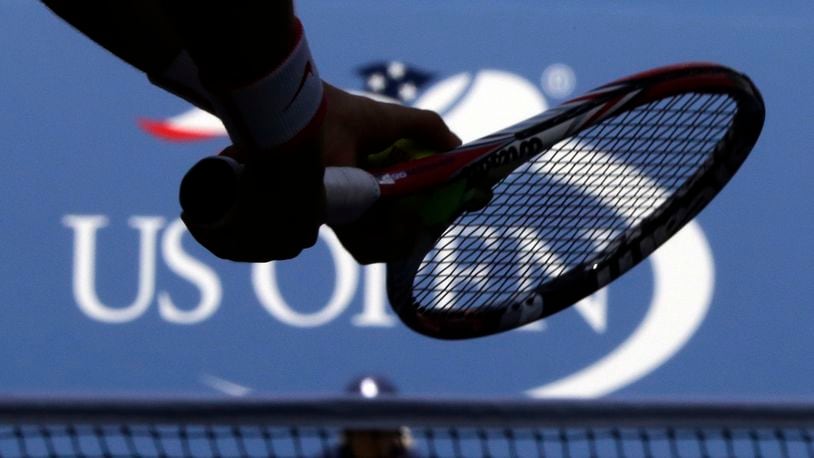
x=401 y=150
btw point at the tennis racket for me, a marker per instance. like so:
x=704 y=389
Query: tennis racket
x=574 y=198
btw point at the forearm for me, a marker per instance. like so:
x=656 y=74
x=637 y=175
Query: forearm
x=136 y=31
x=254 y=62
x=234 y=43
x=168 y=40
x=139 y=33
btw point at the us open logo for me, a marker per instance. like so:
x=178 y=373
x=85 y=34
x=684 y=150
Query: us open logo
x=473 y=104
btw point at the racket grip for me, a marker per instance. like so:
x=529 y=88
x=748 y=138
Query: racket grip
x=349 y=192
x=209 y=188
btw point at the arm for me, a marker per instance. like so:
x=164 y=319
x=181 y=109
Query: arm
x=235 y=45
x=203 y=52
x=136 y=31
x=170 y=40
x=255 y=64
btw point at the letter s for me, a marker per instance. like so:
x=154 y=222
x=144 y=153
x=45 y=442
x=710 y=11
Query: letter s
x=192 y=270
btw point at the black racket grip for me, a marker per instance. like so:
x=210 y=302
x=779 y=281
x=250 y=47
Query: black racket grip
x=210 y=189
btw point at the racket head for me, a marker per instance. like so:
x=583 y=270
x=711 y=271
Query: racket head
x=581 y=194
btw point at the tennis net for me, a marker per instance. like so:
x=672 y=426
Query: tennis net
x=401 y=427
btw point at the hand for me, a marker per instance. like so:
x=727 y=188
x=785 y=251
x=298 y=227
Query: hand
x=356 y=127
x=275 y=210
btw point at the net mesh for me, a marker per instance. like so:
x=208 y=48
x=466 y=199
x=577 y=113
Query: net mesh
x=571 y=202
x=201 y=440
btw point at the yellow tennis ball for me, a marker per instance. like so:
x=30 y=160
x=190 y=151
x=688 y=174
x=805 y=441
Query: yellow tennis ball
x=401 y=150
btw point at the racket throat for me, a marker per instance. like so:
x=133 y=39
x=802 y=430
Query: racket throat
x=440 y=206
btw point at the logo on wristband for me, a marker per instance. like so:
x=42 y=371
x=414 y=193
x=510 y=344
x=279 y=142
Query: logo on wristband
x=307 y=71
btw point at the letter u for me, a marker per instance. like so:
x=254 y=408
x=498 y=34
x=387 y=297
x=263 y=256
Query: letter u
x=84 y=266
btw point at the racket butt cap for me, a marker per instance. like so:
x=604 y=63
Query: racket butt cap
x=209 y=189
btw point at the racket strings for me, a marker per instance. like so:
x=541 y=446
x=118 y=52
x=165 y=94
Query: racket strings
x=560 y=210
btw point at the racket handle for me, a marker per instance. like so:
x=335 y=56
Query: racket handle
x=209 y=188
x=349 y=192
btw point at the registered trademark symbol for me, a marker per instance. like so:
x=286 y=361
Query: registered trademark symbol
x=558 y=80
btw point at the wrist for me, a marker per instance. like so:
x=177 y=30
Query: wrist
x=278 y=111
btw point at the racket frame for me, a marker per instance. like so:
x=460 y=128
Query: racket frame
x=487 y=160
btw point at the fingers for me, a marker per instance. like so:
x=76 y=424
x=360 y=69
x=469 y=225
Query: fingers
x=272 y=212
x=359 y=126
x=246 y=240
x=388 y=122
x=425 y=126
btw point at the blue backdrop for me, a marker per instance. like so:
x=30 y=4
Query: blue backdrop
x=103 y=292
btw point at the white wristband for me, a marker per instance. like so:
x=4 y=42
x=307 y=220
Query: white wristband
x=273 y=110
